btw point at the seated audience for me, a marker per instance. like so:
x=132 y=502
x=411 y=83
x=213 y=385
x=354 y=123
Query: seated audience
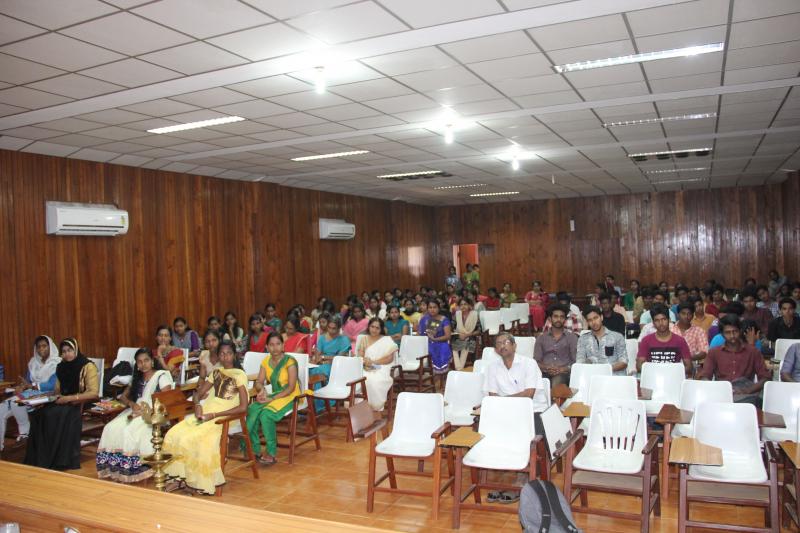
x=602 y=345
x=257 y=337
x=790 y=368
x=762 y=317
x=169 y=356
x=126 y=439
x=396 y=326
x=737 y=362
x=379 y=352
x=321 y=329
x=438 y=329
x=663 y=346
x=507 y=297
x=293 y=340
x=214 y=324
x=776 y=281
x=279 y=369
x=642 y=304
x=319 y=309
x=537 y=301
x=575 y=321
x=468 y=329
x=556 y=349
x=355 y=325
x=330 y=343
x=185 y=337
x=660 y=298
x=682 y=295
x=54 y=440
x=767 y=302
x=702 y=319
x=786 y=326
x=796 y=293
x=630 y=297
x=39 y=378
x=410 y=313
x=492 y=302
x=209 y=358
x=453 y=279
x=271 y=318
x=374 y=309
x=233 y=332
x=611 y=319
x=694 y=336
x=749 y=328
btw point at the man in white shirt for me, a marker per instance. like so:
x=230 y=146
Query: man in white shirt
x=513 y=376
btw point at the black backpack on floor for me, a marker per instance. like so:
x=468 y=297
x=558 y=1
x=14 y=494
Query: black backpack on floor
x=544 y=509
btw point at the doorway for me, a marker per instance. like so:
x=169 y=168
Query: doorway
x=463 y=254
x=481 y=254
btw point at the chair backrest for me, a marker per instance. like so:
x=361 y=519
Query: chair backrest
x=184 y=367
x=412 y=347
x=479 y=366
x=628 y=317
x=631 y=349
x=665 y=380
x=489 y=356
x=346 y=369
x=521 y=310
x=507 y=317
x=782 y=398
x=733 y=427
x=417 y=415
x=358 y=339
x=525 y=346
x=556 y=428
x=490 y=321
x=614 y=387
x=542 y=395
x=696 y=392
x=782 y=346
x=618 y=424
x=100 y=363
x=302 y=372
x=361 y=417
x=581 y=375
x=797 y=436
x=251 y=364
x=125 y=354
x=508 y=418
x=463 y=390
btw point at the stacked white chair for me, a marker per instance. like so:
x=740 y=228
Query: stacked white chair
x=580 y=377
x=479 y=367
x=696 y=392
x=462 y=393
x=251 y=364
x=491 y=322
x=521 y=310
x=507 y=318
x=665 y=381
x=631 y=349
x=781 y=398
x=411 y=349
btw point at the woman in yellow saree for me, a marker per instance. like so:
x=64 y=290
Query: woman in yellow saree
x=195 y=440
x=280 y=371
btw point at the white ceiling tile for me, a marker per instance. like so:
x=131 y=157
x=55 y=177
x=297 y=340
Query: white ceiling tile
x=242 y=128
x=309 y=100
x=30 y=98
x=122 y=147
x=349 y=23
x=114 y=132
x=271 y=86
x=161 y=107
x=627 y=112
x=409 y=61
x=253 y=109
x=592 y=51
x=265 y=41
x=203 y=18
x=131 y=73
x=409 y=102
x=14 y=30
x=684 y=105
x=605 y=76
x=377 y=121
x=485 y=107
x=533 y=85
x=194 y=58
x=73 y=125
x=126 y=33
x=76 y=86
x=45 y=148
x=339 y=73
x=460 y=95
x=89 y=154
x=439 y=79
x=756 y=56
x=683 y=66
x=130 y=160
x=113 y=116
x=16 y=71
x=345 y=112
x=678 y=17
x=772 y=72
x=580 y=33
x=513 y=67
x=53 y=15
x=685 y=83
x=680 y=39
x=756 y=9
x=547 y=99
x=380 y=88
x=491 y=47
x=764 y=31
x=277 y=135
x=61 y=52
x=284 y=9
x=32 y=132
x=194 y=147
x=212 y=97
x=78 y=139
x=292 y=120
x=621 y=90
x=422 y=13
x=8 y=142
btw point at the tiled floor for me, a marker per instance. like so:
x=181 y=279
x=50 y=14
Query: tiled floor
x=331 y=484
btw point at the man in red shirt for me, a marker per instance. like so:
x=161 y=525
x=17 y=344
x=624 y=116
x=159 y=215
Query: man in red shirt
x=663 y=346
x=737 y=362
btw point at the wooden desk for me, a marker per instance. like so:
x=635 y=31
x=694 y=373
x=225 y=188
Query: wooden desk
x=693 y=452
x=95 y=505
x=461 y=439
x=792 y=451
x=577 y=410
x=561 y=392
x=769 y=420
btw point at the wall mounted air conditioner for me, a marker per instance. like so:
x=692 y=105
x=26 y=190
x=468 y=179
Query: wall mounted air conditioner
x=85 y=219
x=335 y=229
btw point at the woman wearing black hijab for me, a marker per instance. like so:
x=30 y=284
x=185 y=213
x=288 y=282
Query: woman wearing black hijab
x=55 y=435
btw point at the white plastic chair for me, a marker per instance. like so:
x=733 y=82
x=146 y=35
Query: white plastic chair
x=100 y=363
x=507 y=318
x=557 y=431
x=696 y=392
x=411 y=363
x=580 y=377
x=782 y=398
x=411 y=349
x=525 y=346
x=184 y=367
x=522 y=311
x=462 y=393
x=301 y=403
x=608 y=387
x=782 y=346
x=127 y=355
x=632 y=350
x=251 y=364
x=479 y=366
x=541 y=398
x=665 y=380
x=490 y=322
x=347 y=373
x=488 y=356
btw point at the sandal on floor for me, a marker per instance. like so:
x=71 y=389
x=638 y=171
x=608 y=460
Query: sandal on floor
x=493 y=496
x=266 y=462
x=508 y=496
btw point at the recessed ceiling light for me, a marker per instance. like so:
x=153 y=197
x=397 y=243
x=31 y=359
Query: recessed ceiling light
x=194 y=125
x=640 y=58
x=328 y=156
x=671 y=152
x=493 y=193
x=694 y=116
x=446 y=187
x=320 y=80
x=672 y=170
x=659 y=182
x=404 y=174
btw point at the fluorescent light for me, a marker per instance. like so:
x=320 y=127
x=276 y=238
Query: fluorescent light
x=404 y=174
x=514 y=163
x=694 y=116
x=659 y=182
x=194 y=125
x=672 y=170
x=446 y=187
x=449 y=134
x=320 y=82
x=670 y=152
x=640 y=58
x=328 y=156
x=493 y=193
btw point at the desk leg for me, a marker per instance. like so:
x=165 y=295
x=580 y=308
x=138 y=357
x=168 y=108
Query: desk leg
x=457 y=483
x=666 y=442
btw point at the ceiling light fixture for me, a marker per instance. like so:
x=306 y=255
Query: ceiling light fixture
x=668 y=153
x=640 y=58
x=328 y=156
x=320 y=81
x=404 y=174
x=476 y=195
x=659 y=182
x=672 y=170
x=693 y=116
x=447 y=187
x=449 y=134
x=514 y=163
x=195 y=125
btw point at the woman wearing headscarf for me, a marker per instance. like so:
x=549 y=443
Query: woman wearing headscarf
x=55 y=436
x=40 y=377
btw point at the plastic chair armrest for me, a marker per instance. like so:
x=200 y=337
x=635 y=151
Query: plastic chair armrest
x=316 y=378
x=362 y=379
x=441 y=431
x=651 y=443
x=372 y=428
